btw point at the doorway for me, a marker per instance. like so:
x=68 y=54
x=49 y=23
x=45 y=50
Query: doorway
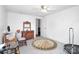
x=38 y=27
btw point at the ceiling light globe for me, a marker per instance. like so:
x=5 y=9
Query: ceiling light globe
x=44 y=10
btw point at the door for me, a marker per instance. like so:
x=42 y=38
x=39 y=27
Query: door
x=38 y=28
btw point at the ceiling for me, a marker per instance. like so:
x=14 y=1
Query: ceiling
x=35 y=9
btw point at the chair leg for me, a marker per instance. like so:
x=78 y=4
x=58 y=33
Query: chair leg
x=17 y=51
x=24 y=42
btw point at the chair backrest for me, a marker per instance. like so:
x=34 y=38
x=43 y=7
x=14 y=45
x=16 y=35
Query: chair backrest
x=9 y=40
x=18 y=34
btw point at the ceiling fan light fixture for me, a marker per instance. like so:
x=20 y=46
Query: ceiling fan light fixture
x=44 y=10
x=44 y=7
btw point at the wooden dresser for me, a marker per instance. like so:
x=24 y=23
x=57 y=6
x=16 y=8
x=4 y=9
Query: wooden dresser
x=27 y=32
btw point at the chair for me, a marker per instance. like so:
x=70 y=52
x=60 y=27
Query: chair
x=11 y=43
x=2 y=48
x=21 y=40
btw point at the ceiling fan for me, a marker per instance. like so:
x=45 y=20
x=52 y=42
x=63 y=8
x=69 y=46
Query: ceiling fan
x=45 y=8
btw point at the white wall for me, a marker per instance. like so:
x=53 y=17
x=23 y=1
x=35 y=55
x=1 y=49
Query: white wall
x=56 y=26
x=2 y=21
x=43 y=27
x=15 y=21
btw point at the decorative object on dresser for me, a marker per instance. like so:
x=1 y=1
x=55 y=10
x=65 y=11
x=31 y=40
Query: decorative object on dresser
x=27 y=32
x=26 y=26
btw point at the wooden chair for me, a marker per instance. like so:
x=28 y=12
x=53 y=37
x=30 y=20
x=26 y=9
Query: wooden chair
x=10 y=42
x=21 y=40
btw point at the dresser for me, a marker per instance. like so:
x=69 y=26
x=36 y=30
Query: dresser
x=28 y=34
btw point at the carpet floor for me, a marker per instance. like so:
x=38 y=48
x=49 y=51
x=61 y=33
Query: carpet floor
x=29 y=49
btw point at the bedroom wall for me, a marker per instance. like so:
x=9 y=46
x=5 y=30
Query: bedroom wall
x=15 y=21
x=2 y=21
x=56 y=25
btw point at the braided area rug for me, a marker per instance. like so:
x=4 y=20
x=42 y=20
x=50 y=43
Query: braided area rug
x=44 y=43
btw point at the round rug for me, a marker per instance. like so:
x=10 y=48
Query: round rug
x=44 y=44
